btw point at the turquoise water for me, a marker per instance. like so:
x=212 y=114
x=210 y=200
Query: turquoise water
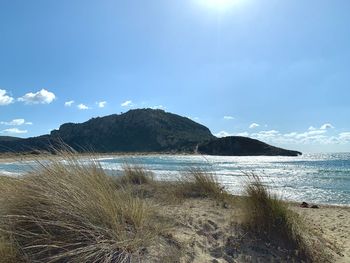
x=317 y=178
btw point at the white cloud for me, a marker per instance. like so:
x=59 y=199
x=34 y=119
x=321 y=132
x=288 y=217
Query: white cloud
x=4 y=98
x=158 y=107
x=243 y=134
x=16 y=122
x=14 y=131
x=101 y=104
x=310 y=137
x=327 y=126
x=344 y=137
x=253 y=125
x=265 y=135
x=291 y=135
x=228 y=118
x=41 y=97
x=69 y=103
x=223 y=134
x=127 y=103
x=82 y=106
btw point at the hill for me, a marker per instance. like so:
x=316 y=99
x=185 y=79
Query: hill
x=141 y=130
x=9 y=139
x=236 y=146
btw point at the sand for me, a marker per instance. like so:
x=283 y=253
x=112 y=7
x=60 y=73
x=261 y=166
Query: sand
x=213 y=233
x=333 y=223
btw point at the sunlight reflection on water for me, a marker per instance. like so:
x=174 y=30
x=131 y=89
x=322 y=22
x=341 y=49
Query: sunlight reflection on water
x=319 y=178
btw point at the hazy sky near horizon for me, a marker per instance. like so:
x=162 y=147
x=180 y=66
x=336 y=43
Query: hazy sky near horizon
x=274 y=70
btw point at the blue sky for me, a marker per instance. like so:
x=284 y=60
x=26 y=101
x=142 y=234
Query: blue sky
x=273 y=70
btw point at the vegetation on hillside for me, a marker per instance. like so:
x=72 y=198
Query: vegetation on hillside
x=242 y=146
x=141 y=130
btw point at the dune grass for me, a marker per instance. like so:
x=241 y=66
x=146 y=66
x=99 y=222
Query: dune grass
x=8 y=252
x=269 y=217
x=191 y=183
x=71 y=212
x=266 y=213
x=198 y=183
x=135 y=174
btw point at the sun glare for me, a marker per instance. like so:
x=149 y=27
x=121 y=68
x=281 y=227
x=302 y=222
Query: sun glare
x=218 y=4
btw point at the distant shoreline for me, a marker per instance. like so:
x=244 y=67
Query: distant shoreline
x=7 y=157
x=11 y=160
x=30 y=156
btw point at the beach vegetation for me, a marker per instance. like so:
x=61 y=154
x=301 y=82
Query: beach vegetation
x=135 y=174
x=67 y=209
x=8 y=251
x=198 y=183
x=71 y=211
x=270 y=218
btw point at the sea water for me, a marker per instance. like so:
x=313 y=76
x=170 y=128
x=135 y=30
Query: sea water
x=316 y=178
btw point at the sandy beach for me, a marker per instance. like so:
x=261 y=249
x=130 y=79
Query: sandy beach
x=202 y=223
x=213 y=233
x=333 y=223
x=209 y=230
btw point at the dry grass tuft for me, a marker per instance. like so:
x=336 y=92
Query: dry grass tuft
x=197 y=183
x=265 y=212
x=8 y=252
x=137 y=175
x=71 y=211
x=269 y=217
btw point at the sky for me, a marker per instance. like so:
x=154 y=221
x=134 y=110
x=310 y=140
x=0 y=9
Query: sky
x=278 y=71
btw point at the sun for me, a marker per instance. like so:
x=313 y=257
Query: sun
x=218 y=4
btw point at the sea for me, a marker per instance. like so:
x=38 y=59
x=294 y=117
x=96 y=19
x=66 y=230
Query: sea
x=322 y=178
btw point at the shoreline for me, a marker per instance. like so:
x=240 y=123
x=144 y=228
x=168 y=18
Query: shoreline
x=292 y=203
x=30 y=157
x=209 y=224
x=14 y=158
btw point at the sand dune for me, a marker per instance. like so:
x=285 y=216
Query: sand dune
x=333 y=223
x=213 y=233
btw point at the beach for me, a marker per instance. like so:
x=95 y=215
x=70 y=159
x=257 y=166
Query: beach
x=206 y=228
x=333 y=223
x=322 y=178
x=205 y=222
